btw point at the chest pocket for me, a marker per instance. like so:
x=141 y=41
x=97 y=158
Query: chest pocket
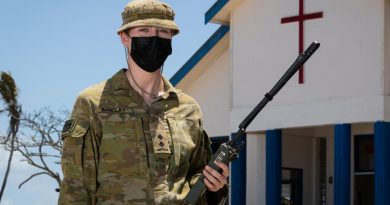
x=122 y=150
x=122 y=171
x=185 y=133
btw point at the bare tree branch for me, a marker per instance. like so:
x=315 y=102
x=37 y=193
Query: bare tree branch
x=32 y=176
x=39 y=142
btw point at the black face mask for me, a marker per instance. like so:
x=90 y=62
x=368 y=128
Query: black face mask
x=149 y=53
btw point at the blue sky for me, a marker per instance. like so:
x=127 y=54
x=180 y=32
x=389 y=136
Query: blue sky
x=55 y=49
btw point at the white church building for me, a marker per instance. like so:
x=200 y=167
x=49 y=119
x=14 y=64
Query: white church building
x=325 y=137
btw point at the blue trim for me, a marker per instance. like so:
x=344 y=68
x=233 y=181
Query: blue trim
x=238 y=177
x=342 y=164
x=382 y=162
x=215 y=8
x=199 y=54
x=273 y=166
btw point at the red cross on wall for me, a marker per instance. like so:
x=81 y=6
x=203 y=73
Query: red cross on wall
x=300 y=18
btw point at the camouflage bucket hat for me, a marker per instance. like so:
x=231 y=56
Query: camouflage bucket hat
x=148 y=13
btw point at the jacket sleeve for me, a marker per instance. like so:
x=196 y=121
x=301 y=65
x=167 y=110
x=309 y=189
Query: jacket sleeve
x=200 y=160
x=76 y=135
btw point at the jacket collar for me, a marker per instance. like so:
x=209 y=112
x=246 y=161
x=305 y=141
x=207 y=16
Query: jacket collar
x=119 y=81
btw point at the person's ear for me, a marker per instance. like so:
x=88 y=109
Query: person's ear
x=125 y=38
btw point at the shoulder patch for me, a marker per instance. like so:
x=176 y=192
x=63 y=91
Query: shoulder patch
x=68 y=127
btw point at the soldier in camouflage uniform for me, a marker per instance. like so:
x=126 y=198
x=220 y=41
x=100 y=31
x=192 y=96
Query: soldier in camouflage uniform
x=134 y=138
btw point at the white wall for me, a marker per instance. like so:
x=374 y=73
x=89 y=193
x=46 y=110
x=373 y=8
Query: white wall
x=212 y=91
x=387 y=59
x=343 y=80
x=387 y=49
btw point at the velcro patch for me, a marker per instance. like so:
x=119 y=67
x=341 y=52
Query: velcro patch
x=68 y=127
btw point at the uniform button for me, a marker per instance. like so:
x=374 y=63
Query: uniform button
x=160 y=137
x=162 y=144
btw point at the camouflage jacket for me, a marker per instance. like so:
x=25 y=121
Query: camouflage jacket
x=117 y=150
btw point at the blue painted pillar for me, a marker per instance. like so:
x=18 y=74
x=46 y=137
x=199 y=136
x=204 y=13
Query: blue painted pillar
x=382 y=162
x=238 y=178
x=273 y=166
x=342 y=164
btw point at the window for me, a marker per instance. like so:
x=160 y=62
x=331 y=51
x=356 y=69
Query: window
x=364 y=170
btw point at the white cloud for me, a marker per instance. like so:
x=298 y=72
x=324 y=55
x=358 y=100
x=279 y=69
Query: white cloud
x=38 y=191
x=16 y=166
x=7 y=201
